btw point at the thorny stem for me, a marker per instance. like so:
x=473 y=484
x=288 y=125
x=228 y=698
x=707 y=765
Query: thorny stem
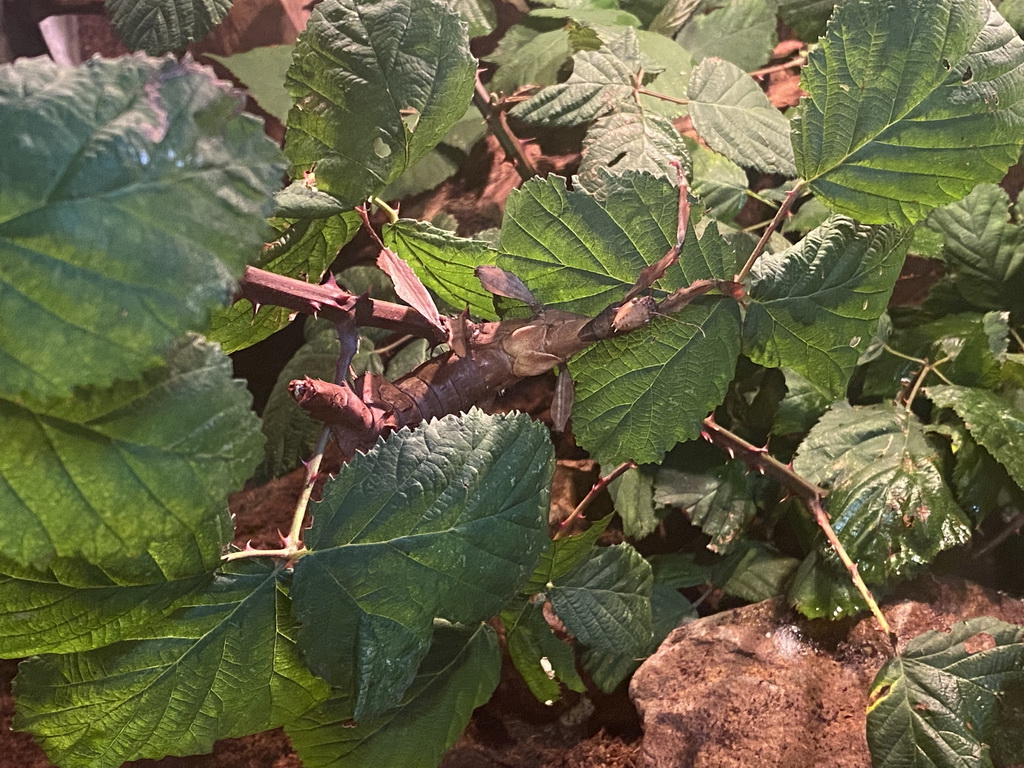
x=498 y=125
x=775 y=223
x=809 y=493
x=928 y=368
x=599 y=486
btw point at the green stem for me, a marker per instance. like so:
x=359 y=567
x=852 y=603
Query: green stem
x=775 y=223
x=391 y=212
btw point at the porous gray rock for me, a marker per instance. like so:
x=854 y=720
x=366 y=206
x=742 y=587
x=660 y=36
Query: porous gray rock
x=760 y=687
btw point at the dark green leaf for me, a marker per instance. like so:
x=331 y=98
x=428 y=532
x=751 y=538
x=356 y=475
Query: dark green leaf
x=166 y=691
x=720 y=184
x=562 y=555
x=679 y=570
x=479 y=15
x=601 y=81
x=445 y=264
x=446 y=520
x=733 y=115
x=164 y=26
x=132 y=194
x=806 y=17
x=362 y=70
x=299 y=200
x=802 y=406
x=304 y=251
x=107 y=473
x=754 y=571
x=633 y=496
x=822 y=588
x=888 y=502
x=605 y=601
x=528 y=55
x=909 y=106
x=545 y=662
x=741 y=32
x=939 y=703
x=719 y=501
x=262 y=72
x=993 y=421
x=983 y=248
x=458 y=674
x=815 y=306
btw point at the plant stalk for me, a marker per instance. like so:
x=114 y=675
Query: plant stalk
x=773 y=225
x=498 y=125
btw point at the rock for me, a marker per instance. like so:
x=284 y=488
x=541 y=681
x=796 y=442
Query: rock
x=761 y=686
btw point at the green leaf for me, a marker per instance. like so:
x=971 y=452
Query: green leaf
x=720 y=184
x=132 y=194
x=361 y=68
x=806 y=17
x=802 y=406
x=983 y=248
x=822 y=588
x=993 y=421
x=909 y=106
x=304 y=251
x=633 y=496
x=479 y=15
x=164 y=26
x=562 y=555
x=630 y=141
x=459 y=674
x=290 y=431
x=676 y=65
x=815 y=306
x=545 y=662
x=529 y=55
x=43 y=615
x=605 y=601
x=940 y=702
x=754 y=571
x=673 y=15
x=742 y=32
x=446 y=520
x=299 y=200
x=165 y=692
x=106 y=473
x=733 y=115
x=445 y=264
x=888 y=502
x=719 y=500
x=679 y=570
x=601 y=81
x=262 y=71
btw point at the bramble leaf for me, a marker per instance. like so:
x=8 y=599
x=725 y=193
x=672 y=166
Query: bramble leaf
x=633 y=497
x=888 y=502
x=528 y=55
x=806 y=17
x=362 y=70
x=164 y=26
x=802 y=406
x=742 y=32
x=446 y=520
x=630 y=141
x=445 y=264
x=941 y=702
x=719 y=500
x=733 y=115
x=814 y=307
x=132 y=194
x=262 y=71
x=107 y=473
x=163 y=692
x=458 y=674
x=304 y=251
x=993 y=421
x=909 y=106
x=720 y=184
x=530 y=639
x=605 y=601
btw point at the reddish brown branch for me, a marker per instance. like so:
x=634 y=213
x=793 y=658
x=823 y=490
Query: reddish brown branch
x=496 y=121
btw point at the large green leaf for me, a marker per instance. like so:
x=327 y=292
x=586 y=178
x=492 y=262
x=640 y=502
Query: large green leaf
x=633 y=497
x=580 y=254
x=815 y=306
x=533 y=53
x=458 y=674
x=376 y=85
x=304 y=251
x=888 y=502
x=630 y=141
x=544 y=661
x=164 y=26
x=605 y=601
x=222 y=665
x=601 y=81
x=445 y=264
x=993 y=421
x=262 y=72
x=741 y=32
x=446 y=520
x=910 y=105
x=942 y=702
x=983 y=248
x=107 y=473
x=719 y=500
x=132 y=194
x=43 y=614
x=733 y=115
